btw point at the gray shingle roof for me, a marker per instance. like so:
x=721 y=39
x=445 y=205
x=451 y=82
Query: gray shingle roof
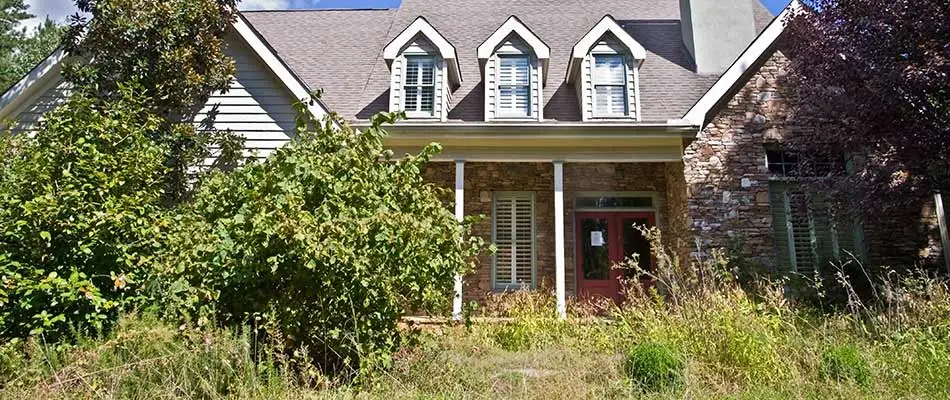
x=340 y=51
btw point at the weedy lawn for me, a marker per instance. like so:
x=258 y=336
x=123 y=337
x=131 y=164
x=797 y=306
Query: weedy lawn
x=720 y=344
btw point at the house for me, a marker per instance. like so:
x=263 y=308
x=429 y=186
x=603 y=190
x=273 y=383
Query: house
x=563 y=122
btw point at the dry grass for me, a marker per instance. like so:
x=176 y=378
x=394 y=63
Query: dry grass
x=735 y=345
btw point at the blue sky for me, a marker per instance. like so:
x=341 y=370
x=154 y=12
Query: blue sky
x=59 y=9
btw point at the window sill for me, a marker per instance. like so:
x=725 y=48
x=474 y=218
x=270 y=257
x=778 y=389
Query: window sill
x=614 y=118
x=514 y=119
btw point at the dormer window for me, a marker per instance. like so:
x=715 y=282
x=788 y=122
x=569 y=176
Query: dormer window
x=604 y=69
x=610 y=86
x=514 y=63
x=419 y=88
x=514 y=86
x=424 y=71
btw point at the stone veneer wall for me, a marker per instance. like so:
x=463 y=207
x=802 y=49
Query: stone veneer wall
x=728 y=180
x=483 y=179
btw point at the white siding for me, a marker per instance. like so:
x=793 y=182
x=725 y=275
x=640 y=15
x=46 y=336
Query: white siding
x=586 y=87
x=256 y=106
x=28 y=118
x=422 y=47
x=513 y=46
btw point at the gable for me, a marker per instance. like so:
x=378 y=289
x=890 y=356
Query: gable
x=255 y=106
x=258 y=104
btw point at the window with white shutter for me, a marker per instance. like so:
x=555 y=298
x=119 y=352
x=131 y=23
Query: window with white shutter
x=513 y=233
x=808 y=232
x=514 y=86
x=420 y=86
x=610 y=86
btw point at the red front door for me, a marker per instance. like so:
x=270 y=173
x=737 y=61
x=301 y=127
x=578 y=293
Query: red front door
x=605 y=239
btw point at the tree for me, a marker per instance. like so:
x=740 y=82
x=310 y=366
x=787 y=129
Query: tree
x=36 y=47
x=79 y=215
x=82 y=202
x=873 y=79
x=174 y=49
x=322 y=247
x=11 y=13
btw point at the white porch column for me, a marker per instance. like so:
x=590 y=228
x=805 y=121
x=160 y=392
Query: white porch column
x=459 y=215
x=559 y=239
x=944 y=232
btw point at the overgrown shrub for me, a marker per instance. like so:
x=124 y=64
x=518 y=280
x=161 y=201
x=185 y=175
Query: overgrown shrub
x=844 y=363
x=655 y=366
x=79 y=216
x=323 y=246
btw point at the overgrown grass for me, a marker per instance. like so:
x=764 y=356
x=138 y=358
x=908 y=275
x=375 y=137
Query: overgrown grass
x=723 y=342
x=732 y=348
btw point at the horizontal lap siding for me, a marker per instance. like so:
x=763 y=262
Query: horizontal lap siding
x=491 y=82
x=395 y=84
x=256 y=106
x=587 y=87
x=28 y=120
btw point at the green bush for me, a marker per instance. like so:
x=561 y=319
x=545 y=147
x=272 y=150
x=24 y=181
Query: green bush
x=323 y=246
x=79 y=215
x=844 y=363
x=655 y=367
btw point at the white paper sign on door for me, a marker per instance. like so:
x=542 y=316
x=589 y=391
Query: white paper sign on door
x=597 y=239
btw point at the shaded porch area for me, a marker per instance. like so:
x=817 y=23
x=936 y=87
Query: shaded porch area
x=535 y=213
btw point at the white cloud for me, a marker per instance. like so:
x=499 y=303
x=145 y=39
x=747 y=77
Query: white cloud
x=57 y=10
x=264 y=4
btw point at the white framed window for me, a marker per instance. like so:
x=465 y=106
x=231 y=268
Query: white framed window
x=610 y=86
x=514 y=86
x=513 y=233
x=419 y=86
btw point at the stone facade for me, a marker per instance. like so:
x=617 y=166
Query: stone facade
x=728 y=180
x=717 y=197
x=483 y=180
x=726 y=172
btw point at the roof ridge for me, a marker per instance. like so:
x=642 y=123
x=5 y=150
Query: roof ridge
x=318 y=10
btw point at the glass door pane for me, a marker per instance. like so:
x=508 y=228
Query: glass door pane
x=635 y=243
x=595 y=251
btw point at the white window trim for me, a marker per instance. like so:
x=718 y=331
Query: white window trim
x=626 y=87
x=405 y=84
x=534 y=246
x=583 y=47
x=445 y=49
x=634 y=53
x=504 y=114
x=514 y=26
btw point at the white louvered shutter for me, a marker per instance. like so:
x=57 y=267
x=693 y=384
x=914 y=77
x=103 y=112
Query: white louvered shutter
x=514 y=86
x=610 y=85
x=420 y=85
x=514 y=239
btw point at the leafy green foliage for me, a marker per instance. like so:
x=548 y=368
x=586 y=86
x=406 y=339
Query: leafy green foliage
x=11 y=13
x=323 y=246
x=78 y=215
x=845 y=363
x=28 y=51
x=655 y=367
x=175 y=50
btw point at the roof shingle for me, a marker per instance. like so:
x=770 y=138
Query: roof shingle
x=340 y=51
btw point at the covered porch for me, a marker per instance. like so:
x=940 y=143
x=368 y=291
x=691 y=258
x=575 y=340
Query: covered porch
x=554 y=202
